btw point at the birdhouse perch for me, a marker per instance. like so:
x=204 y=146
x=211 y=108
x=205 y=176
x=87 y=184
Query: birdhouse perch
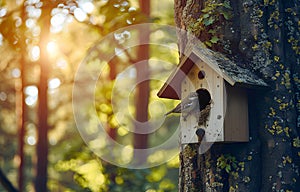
x=227 y=84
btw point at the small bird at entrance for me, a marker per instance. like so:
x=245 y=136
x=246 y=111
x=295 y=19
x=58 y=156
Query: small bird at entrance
x=195 y=103
x=187 y=105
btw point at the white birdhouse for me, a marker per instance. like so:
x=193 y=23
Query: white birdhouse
x=227 y=83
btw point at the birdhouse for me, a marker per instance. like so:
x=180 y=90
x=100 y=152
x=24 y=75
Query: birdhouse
x=227 y=117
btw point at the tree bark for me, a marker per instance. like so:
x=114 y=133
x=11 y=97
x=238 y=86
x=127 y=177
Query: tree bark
x=261 y=35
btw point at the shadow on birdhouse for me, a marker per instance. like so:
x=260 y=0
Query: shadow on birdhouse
x=222 y=87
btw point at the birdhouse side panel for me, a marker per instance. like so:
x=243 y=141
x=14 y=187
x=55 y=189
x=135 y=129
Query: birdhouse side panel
x=236 y=120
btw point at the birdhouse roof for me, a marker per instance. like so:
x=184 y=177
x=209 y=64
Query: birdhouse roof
x=224 y=67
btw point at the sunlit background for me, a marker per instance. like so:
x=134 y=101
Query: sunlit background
x=27 y=43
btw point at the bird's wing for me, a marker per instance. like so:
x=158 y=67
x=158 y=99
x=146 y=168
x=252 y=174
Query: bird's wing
x=189 y=103
x=186 y=105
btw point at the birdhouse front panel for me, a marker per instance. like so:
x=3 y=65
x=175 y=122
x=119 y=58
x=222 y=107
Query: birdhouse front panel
x=201 y=76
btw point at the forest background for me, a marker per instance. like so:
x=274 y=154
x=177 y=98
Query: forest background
x=42 y=43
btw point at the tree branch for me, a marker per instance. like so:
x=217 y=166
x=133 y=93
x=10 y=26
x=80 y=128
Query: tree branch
x=6 y=183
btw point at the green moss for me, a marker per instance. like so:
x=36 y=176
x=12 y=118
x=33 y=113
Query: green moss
x=267 y=45
x=286 y=160
x=189 y=152
x=296 y=142
x=249 y=158
x=287 y=80
x=233 y=188
x=260 y=13
x=287 y=131
x=283 y=106
x=242 y=165
x=246 y=179
x=276 y=58
x=274 y=20
x=272 y=112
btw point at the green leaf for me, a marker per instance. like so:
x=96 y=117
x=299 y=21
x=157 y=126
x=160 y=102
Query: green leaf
x=206 y=15
x=227 y=15
x=209 y=21
x=227 y=5
x=234 y=165
x=212 y=31
x=227 y=168
x=208 y=43
x=206 y=9
x=214 y=39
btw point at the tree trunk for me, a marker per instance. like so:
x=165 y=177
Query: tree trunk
x=142 y=91
x=21 y=106
x=112 y=131
x=42 y=141
x=262 y=36
x=21 y=113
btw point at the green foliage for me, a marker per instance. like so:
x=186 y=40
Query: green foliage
x=227 y=163
x=119 y=14
x=207 y=26
x=94 y=175
x=156 y=179
x=296 y=142
x=88 y=172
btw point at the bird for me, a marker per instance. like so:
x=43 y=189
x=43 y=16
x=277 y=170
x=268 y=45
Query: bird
x=195 y=103
x=187 y=105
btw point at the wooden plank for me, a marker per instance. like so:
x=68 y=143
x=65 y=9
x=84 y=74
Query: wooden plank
x=187 y=125
x=236 y=117
x=212 y=63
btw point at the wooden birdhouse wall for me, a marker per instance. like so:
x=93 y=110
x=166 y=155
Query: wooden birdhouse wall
x=236 y=114
x=214 y=84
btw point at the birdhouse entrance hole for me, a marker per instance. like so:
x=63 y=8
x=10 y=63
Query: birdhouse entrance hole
x=204 y=98
x=201 y=74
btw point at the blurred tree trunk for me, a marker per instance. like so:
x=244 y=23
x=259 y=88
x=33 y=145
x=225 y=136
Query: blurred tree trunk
x=142 y=91
x=21 y=115
x=112 y=131
x=264 y=37
x=20 y=103
x=42 y=141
